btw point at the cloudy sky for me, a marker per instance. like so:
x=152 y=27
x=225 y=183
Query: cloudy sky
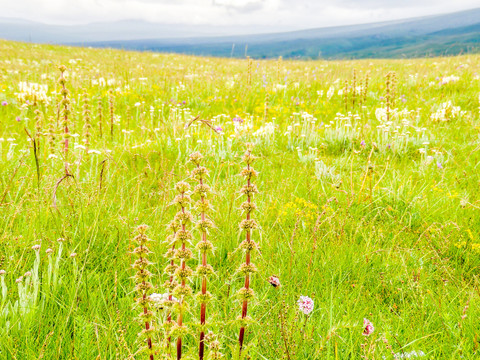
x=279 y=14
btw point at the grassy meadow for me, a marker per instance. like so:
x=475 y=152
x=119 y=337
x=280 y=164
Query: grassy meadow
x=367 y=203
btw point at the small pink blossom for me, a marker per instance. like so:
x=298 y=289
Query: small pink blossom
x=305 y=304
x=274 y=281
x=367 y=327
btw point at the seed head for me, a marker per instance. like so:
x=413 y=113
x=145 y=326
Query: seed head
x=245 y=294
x=248 y=224
x=199 y=172
x=202 y=189
x=182 y=187
x=249 y=190
x=184 y=217
x=196 y=158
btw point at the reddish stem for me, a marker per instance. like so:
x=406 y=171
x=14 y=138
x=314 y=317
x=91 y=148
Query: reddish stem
x=247 y=276
x=145 y=311
x=170 y=297
x=180 y=315
x=203 y=307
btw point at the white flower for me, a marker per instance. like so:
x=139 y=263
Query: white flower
x=160 y=299
x=305 y=304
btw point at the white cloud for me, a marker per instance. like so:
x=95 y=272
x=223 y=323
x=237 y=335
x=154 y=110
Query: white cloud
x=290 y=14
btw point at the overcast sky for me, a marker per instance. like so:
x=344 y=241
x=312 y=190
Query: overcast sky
x=287 y=14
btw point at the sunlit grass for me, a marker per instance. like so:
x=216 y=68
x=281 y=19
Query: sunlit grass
x=371 y=218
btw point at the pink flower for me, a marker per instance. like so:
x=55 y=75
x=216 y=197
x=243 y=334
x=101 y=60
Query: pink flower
x=274 y=281
x=367 y=327
x=305 y=304
x=4 y=103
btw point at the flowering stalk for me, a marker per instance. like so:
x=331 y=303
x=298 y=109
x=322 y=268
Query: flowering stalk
x=100 y=116
x=65 y=112
x=112 y=110
x=51 y=136
x=143 y=287
x=365 y=88
x=267 y=104
x=354 y=88
x=247 y=225
x=38 y=126
x=86 y=119
x=203 y=270
x=183 y=254
x=170 y=284
x=214 y=346
x=249 y=71
x=345 y=96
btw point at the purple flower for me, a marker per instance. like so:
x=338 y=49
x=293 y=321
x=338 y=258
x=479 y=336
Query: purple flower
x=4 y=103
x=362 y=144
x=218 y=129
x=18 y=118
x=439 y=165
x=238 y=119
x=367 y=327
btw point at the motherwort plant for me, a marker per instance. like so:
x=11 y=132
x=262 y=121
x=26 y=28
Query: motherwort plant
x=247 y=225
x=201 y=191
x=143 y=288
x=183 y=272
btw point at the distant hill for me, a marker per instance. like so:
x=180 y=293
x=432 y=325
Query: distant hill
x=448 y=34
x=31 y=31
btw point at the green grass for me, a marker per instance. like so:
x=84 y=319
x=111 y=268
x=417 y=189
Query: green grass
x=397 y=244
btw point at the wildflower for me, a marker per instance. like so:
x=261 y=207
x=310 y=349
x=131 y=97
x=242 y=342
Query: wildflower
x=72 y=255
x=362 y=144
x=18 y=118
x=36 y=247
x=161 y=300
x=2 y=272
x=4 y=103
x=238 y=119
x=439 y=165
x=49 y=251
x=305 y=304
x=367 y=327
x=274 y=281
x=408 y=355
